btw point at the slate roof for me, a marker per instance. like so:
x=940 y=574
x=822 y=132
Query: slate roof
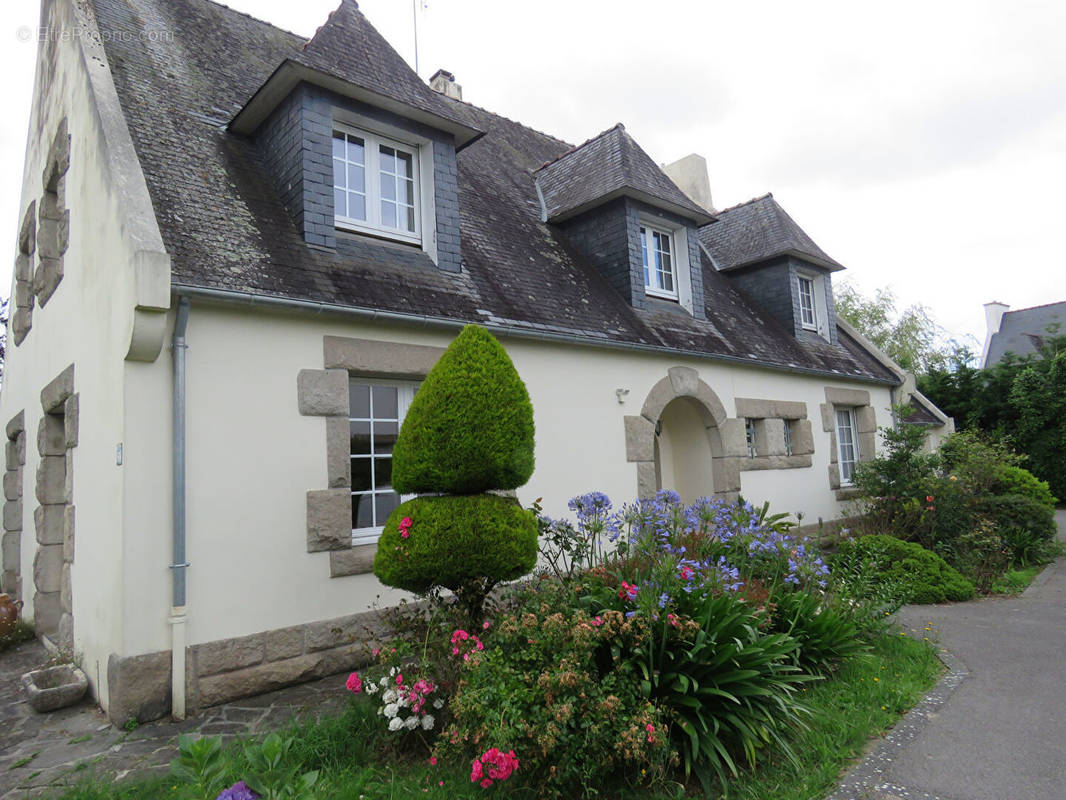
x=1021 y=332
x=224 y=225
x=605 y=167
x=921 y=414
x=756 y=231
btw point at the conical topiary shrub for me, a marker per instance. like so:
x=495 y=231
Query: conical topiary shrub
x=468 y=430
x=470 y=427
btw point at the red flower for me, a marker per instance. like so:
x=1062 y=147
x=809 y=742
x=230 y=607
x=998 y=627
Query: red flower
x=354 y=683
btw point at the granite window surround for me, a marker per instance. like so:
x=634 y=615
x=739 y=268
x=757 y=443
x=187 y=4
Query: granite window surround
x=865 y=421
x=297 y=146
x=15 y=461
x=325 y=393
x=772 y=444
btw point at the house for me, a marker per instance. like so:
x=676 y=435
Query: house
x=239 y=252
x=1021 y=332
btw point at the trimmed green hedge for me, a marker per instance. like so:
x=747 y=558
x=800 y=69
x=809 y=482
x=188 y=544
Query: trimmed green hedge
x=905 y=570
x=470 y=426
x=452 y=539
x=1016 y=480
x=1019 y=511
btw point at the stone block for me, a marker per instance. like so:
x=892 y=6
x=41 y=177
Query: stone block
x=65 y=595
x=371 y=357
x=329 y=520
x=21 y=322
x=138 y=687
x=70 y=421
x=338 y=453
x=12 y=484
x=55 y=394
x=762 y=409
x=48 y=568
x=52 y=480
x=46 y=279
x=867 y=446
x=847 y=397
x=15 y=453
x=64 y=635
x=834 y=476
x=51 y=440
x=284 y=643
x=658 y=398
x=352 y=561
x=331 y=633
x=46 y=612
x=770 y=437
x=828 y=415
x=322 y=392
x=13 y=515
x=68 y=478
x=640 y=439
x=68 y=533
x=215 y=689
x=685 y=381
x=11 y=549
x=24 y=296
x=734 y=438
x=9 y=583
x=48 y=522
x=344 y=659
x=647 y=479
x=866 y=419
x=725 y=474
x=802 y=437
x=226 y=655
x=16 y=425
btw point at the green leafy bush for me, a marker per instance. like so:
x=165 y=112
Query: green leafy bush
x=1017 y=480
x=554 y=685
x=826 y=629
x=1018 y=511
x=452 y=540
x=470 y=426
x=914 y=574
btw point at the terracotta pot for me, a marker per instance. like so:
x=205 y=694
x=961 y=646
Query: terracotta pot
x=9 y=614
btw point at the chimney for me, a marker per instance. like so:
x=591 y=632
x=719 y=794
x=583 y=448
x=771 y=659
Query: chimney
x=444 y=82
x=690 y=175
x=994 y=312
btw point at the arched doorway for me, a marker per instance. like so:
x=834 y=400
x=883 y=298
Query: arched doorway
x=683 y=450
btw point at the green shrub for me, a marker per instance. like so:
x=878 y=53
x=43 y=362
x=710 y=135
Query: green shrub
x=981 y=555
x=453 y=540
x=554 y=686
x=914 y=574
x=1016 y=480
x=826 y=629
x=1019 y=511
x=470 y=426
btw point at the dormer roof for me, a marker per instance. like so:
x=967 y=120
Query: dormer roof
x=606 y=167
x=348 y=56
x=758 y=231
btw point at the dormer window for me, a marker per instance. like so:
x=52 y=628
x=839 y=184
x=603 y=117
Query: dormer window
x=811 y=295
x=657 y=252
x=808 y=315
x=375 y=185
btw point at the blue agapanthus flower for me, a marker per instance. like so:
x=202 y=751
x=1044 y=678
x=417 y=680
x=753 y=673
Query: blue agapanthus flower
x=238 y=791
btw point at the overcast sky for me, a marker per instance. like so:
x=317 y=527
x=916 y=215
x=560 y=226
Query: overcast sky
x=921 y=144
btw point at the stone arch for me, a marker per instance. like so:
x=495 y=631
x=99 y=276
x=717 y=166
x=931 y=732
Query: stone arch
x=725 y=436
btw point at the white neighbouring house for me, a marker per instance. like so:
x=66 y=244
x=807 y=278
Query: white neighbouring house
x=238 y=253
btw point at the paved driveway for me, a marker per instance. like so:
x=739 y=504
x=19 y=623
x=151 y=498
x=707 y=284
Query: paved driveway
x=995 y=728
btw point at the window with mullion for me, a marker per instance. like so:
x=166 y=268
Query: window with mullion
x=376 y=411
x=751 y=437
x=375 y=185
x=657 y=253
x=808 y=315
x=788 y=437
x=847 y=445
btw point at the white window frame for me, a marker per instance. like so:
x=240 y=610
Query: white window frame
x=816 y=284
x=372 y=143
x=680 y=265
x=404 y=395
x=845 y=421
x=647 y=238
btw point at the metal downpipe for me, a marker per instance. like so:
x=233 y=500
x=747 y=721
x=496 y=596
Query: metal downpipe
x=178 y=563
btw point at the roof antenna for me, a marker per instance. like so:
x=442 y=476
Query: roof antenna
x=414 y=16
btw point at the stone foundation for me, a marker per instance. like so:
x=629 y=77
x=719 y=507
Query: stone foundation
x=228 y=669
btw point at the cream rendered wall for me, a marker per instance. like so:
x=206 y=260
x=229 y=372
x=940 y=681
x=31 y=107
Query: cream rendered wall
x=252 y=458
x=87 y=322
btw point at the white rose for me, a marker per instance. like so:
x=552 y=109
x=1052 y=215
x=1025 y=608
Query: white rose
x=427 y=722
x=438 y=704
x=390 y=710
x=389 y=696
x=411 y=723
x=395 y=724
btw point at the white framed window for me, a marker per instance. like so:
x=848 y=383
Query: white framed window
x=376 y=185
x=788 y=437
x=847 y=444
x=657 y=253
x=751 y=436
x=375 y=412
x=808 y=309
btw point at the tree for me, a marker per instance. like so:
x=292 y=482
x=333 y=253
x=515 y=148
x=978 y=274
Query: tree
x=468 y=434
x=911 y=338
